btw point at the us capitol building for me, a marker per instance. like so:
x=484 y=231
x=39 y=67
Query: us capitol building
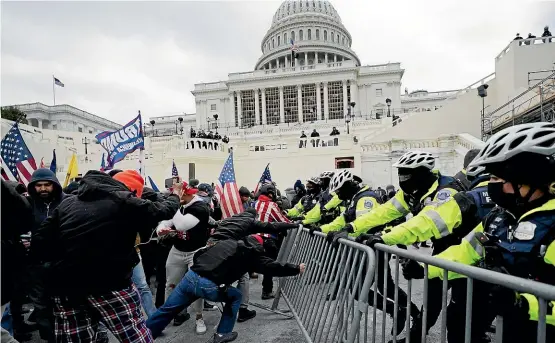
x=307 y=78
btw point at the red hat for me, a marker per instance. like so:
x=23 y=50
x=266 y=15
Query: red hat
x=188 y=189
x=133 y=180
x=258 y=238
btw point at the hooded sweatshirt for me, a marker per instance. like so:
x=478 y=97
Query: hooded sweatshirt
x=42 y=208
x=89 y=239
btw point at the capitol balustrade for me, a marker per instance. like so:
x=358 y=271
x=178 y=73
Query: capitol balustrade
x=181 y=145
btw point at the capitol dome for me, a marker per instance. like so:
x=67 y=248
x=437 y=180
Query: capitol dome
x=316 y=30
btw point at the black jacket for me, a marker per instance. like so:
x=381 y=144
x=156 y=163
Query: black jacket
x=241 y=225
x=226 y=261
x=227 y=257
x=16 y=219
x=89 y=239
x=43 y=208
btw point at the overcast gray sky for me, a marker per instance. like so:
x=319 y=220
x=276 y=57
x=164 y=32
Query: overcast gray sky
x=118 y=57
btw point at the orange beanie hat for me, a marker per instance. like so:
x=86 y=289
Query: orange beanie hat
x=133 y=180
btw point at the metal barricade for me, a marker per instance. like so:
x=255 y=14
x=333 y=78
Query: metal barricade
x=435 y=300
x=330 y=300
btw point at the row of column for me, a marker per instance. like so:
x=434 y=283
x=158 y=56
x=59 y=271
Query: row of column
x=354 y=98
x=275 y=62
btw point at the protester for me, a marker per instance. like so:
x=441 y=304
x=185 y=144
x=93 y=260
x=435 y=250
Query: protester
x=334 y=132
x=246 y=199
x=16 y=217
x=303 y=135
x=89 y=240
x=269 y=212
x=229 y=254
x=314 y=133
x=189 y=231
x=461 y=175
x=45 y=195
x=300 y=192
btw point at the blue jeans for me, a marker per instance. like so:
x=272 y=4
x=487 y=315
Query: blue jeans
x=139 y=279
x=7 y=320
x=192 y=287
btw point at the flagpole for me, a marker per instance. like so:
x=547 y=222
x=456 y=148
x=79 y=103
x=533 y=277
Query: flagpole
x=53 y=90
x=142 y=154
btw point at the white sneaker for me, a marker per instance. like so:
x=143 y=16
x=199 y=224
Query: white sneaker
x=201 y=327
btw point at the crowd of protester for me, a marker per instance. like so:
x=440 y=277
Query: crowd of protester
x=210 y=135
x=94 y=247
x=546 y=33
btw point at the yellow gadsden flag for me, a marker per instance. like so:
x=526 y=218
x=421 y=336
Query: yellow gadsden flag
x=72 y=170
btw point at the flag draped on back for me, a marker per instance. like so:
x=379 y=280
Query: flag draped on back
x=16 y=156
x=265 y=178
x=174 y=170
x=53 y=163
x=226 y=187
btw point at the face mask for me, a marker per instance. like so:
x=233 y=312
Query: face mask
x=508 y=201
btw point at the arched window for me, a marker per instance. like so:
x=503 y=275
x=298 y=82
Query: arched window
x=301 y=34
x=268 y=45
x=279 y=40
x=337 y=41
x=309 y=34
x=325 y=35
x=293 y=35
x=343 y=40
x=332 y=37
x=273 y=45
x=317 y=34
x=285 y=38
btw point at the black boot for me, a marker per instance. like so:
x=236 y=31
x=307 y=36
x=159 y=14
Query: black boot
x=245 y=314
x=180 y=319
x=401 y=319
x=415 y=333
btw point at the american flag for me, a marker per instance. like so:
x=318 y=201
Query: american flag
x=174 y=170
x=16 y=156
x=226 y=187
x=265 y=178
x=294 y=47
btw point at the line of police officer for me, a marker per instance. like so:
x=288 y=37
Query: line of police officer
x=515 y=171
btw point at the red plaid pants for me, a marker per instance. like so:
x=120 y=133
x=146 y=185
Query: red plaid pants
x=119 y=311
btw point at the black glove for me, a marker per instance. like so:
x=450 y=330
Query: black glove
x=360 y=239
x=334 y=236
x=313 y=229
x=413 y=270
x=506 y=301
x=373 y=240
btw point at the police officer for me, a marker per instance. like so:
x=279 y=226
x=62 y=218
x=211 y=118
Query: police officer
x=329 y=206
x=362 y=200
x=422 y=190
x=521 y=160
x=307 y=202
x=450 y=221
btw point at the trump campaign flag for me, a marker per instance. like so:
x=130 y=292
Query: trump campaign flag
x=123 y=141
x=265 y=178
x=226 y=187
x=17 y=157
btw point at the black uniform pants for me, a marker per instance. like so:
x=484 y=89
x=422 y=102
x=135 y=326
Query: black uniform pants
x=390 y=296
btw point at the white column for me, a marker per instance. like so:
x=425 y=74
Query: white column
x=300 y=102
x=281 y=109
x=345 y=102
x=287 y=60
x=231 y=108
x=239 y=110
x=306 y=58
x=318 y=102
x=256 y=108
x=354 y=96
x=334 y=58
x=326 y=102
x=264 y=115
x=39 y=123
x=325 y=57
